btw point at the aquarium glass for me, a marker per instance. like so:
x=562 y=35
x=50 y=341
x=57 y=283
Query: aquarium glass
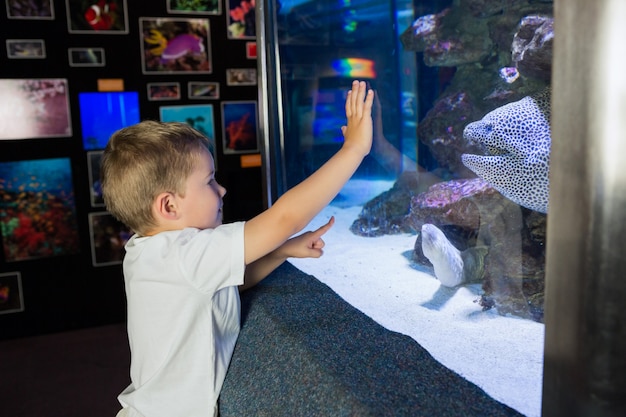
x=440 y=234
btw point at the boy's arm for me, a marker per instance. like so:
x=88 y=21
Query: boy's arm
x=306 y=245
x=297 y=207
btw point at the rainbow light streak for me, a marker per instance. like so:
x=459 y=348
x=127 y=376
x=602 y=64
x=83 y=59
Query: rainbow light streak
x=354 y=67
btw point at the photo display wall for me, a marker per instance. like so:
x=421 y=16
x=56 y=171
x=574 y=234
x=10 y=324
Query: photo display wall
x=72 y=72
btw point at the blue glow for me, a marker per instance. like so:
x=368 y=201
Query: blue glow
x=103 y=113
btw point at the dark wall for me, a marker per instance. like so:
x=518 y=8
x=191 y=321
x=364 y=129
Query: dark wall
x=50 y=292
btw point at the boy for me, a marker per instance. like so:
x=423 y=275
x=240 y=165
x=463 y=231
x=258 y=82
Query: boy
x=182 y=267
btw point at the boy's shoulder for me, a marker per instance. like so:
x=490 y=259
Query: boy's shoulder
x=188 y=233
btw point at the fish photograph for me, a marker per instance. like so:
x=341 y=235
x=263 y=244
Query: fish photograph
x=32 y=10
x=37 y=209
x=100 y=17
x=175 y=46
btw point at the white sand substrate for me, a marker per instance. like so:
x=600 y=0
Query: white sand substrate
x=502 y=355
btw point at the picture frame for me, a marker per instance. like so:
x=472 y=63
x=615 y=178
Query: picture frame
x=104 y=112
x=199 y=116
x=103 y=17
x=94 y=159
x=241 y=76
x=38 y=209
x=34 y=108
x=213 y=7
x=22 y=9
x=11 y=294
x=239 y=127
x=197 y=90
x=163 y=91
x=175 y=45
x=86 y=57
x=26 y=48
x=241 y=19
x=108 y=237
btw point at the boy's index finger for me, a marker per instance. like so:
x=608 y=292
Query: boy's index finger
x=323 y=229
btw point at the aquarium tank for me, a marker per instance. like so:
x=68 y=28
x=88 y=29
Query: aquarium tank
x=441 y=233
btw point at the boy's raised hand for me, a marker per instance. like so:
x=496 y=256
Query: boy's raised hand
x=266 y=233
x=308 y=244
x=358 y=132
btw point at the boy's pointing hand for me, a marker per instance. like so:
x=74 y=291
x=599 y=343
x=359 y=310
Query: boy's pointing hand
x=308 y=244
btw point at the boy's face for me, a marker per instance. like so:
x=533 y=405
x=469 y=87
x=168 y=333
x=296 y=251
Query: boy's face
x=202 y=204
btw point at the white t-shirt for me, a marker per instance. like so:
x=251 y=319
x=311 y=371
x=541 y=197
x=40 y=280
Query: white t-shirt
x=183 y=318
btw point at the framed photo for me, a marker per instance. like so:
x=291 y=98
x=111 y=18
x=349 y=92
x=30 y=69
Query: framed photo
x=26 y=48
x=86 y=57
x=104 y=112
x=37 y=209
x=251 y=50
x=241 y=76
x=35 y=10
x=198 y=116
x=108 y=237
x=11 y=295
x=34 y=108
x=170 y=45
x=203 y=90
x=195 y=7
x=94 y=159
x=163 y=91
x=241 y=19
x=98 y=17
x=239 y=127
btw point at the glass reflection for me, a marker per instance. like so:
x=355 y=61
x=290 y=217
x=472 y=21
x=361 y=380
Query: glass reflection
x=440 y=234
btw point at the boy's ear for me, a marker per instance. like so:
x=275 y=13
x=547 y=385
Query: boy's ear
x=165 y=206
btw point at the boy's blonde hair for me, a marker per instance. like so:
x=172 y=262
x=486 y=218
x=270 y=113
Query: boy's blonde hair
x=143 y=160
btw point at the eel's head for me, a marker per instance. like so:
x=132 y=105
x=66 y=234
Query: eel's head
x=515 y=143
x=501 y=143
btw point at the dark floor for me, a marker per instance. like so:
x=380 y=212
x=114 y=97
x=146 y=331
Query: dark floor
x=70 y=374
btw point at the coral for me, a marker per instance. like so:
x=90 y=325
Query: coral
x=479 y=39
x=386 y=214
x=505 y=242
x=532 y=47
